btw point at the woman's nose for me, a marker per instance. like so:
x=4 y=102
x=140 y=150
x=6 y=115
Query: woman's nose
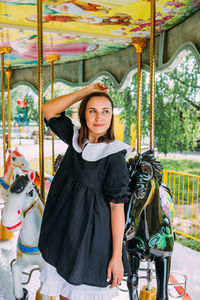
x=98 y=116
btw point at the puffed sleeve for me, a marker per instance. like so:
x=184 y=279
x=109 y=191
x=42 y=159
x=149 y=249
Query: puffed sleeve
x=62 y=126
x=115 y=187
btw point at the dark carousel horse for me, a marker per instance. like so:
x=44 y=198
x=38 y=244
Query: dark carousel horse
x=148 y=231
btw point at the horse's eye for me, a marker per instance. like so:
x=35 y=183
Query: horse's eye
x=19 y=211
x=30 y=193
x=144 y=167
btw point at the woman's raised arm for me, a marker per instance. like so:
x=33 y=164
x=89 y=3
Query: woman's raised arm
x=54 y=107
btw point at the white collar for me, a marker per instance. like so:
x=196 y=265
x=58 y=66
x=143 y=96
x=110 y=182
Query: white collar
x=96 y=151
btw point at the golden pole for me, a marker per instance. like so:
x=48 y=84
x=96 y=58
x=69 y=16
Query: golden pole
x=139 y=44
x=9 y=72
x=3 y=51
x=152 y=73
x=51 y=59
x=5 y=235
x=40 y=96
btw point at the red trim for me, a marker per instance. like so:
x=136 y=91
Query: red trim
x=179 y=288
x=15 y=226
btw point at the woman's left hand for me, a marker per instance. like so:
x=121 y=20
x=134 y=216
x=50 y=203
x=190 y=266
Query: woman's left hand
x=115 y=270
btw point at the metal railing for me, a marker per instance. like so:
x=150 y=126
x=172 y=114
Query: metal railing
x=185 y=191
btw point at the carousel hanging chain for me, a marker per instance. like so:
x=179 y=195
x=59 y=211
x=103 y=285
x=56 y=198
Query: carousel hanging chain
x=139 y=44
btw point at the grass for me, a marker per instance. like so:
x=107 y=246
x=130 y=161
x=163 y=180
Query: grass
x=192 y=244
x=183 y=165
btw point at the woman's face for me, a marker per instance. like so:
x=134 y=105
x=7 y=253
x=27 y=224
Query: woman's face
x=98 y=115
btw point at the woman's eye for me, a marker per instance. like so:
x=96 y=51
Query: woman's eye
x=92 y=111
x=106 y=111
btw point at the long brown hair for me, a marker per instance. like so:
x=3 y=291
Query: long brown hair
x=83 y=132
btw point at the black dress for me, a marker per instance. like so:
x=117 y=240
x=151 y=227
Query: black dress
x=76 y=233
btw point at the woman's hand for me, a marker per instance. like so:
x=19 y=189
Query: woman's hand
x=116 y=271
x=98 y=87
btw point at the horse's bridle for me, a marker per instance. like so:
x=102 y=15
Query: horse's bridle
x=30 y=207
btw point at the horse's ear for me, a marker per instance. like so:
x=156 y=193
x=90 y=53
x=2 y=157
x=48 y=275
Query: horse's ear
x=31 y=175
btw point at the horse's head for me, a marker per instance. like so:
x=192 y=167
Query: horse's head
x=16 y=159
x=21 y=196
x=143 y=170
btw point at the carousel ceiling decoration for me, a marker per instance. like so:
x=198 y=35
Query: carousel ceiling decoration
x=77 y=29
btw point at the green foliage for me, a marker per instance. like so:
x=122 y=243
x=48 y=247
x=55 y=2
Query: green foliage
x=22 y=93
x=177 y=107
x=183 y=165
x=195 y=245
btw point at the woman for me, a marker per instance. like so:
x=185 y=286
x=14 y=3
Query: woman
x=82 y=231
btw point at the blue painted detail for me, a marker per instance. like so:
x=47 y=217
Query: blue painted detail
x=27 y=249
x=5 y=185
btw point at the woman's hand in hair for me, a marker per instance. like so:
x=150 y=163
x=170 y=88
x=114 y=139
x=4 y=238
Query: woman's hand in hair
x=98 y=87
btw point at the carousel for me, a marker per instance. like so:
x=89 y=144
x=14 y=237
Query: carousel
x=76 y=42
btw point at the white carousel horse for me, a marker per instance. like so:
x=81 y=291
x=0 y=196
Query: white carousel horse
x=23 y=211
x=14 y=162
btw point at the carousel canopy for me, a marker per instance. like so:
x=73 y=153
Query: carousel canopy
x=79 y=30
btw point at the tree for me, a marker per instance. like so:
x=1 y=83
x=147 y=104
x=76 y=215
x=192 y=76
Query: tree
x=24 y=93
x=177 y=106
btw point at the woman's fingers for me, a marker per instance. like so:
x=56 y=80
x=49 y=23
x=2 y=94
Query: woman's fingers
x=116 y=280
x=100 y=86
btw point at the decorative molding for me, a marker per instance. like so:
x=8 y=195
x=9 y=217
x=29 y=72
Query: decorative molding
x=185 y=49
x=9 y=72
x=139 y=44
x=5 y=50
x=52 y=58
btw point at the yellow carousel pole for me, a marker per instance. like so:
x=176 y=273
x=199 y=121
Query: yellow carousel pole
x=40 y=96
x=5 y=235
x=52 y=59
x=139 y=44
x=152 y=73
x=40 y=101
x=148 y=292
x=9 y=72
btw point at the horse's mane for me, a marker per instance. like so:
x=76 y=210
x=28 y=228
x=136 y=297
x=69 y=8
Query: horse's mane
x=16 y=152
x=7 y=164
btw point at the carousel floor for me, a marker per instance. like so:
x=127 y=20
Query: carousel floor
x=184 y=260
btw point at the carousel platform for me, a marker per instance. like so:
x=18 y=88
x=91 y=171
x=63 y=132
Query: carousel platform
x=184 y=260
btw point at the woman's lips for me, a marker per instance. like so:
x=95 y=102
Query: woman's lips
x=98 y=125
